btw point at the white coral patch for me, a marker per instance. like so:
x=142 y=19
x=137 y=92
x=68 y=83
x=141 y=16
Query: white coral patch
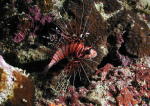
x=8 y=91
x=100 y=8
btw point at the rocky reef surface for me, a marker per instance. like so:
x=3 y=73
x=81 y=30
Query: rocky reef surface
x=15 y=86
x=31 y=31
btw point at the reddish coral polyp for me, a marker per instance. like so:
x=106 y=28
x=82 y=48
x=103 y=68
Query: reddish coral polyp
x=126 y=98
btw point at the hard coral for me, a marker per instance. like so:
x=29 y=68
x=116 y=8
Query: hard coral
x=133 y=30
x=15 y=86
x=143 y=78
x=100 y=94
x=129 y=85
x=104 y=71
x=110 y=6
x=126 y=98
x=73 y=97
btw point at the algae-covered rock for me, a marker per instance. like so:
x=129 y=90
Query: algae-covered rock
x=32 y=55
x=144 y=5
x=16 y=89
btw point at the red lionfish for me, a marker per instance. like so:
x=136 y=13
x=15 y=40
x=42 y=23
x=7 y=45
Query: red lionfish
x=78 y=50
x=83 y=34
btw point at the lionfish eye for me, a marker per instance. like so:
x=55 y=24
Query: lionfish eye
x=87 y=52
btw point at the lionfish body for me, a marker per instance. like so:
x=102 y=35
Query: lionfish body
x=77 y=50
x=84 y=24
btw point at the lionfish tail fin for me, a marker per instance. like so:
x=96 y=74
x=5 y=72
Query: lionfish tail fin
x=46 y=69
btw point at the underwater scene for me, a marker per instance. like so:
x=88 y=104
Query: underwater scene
x=74 y=52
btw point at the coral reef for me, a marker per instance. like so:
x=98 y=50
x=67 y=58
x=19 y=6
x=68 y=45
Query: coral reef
x=118 y=86
x=15 y=86
x=33 y=31
x=39 y=54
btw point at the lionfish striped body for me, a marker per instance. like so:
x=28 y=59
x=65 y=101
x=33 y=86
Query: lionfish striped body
x=77 y=50
x=82 y=29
